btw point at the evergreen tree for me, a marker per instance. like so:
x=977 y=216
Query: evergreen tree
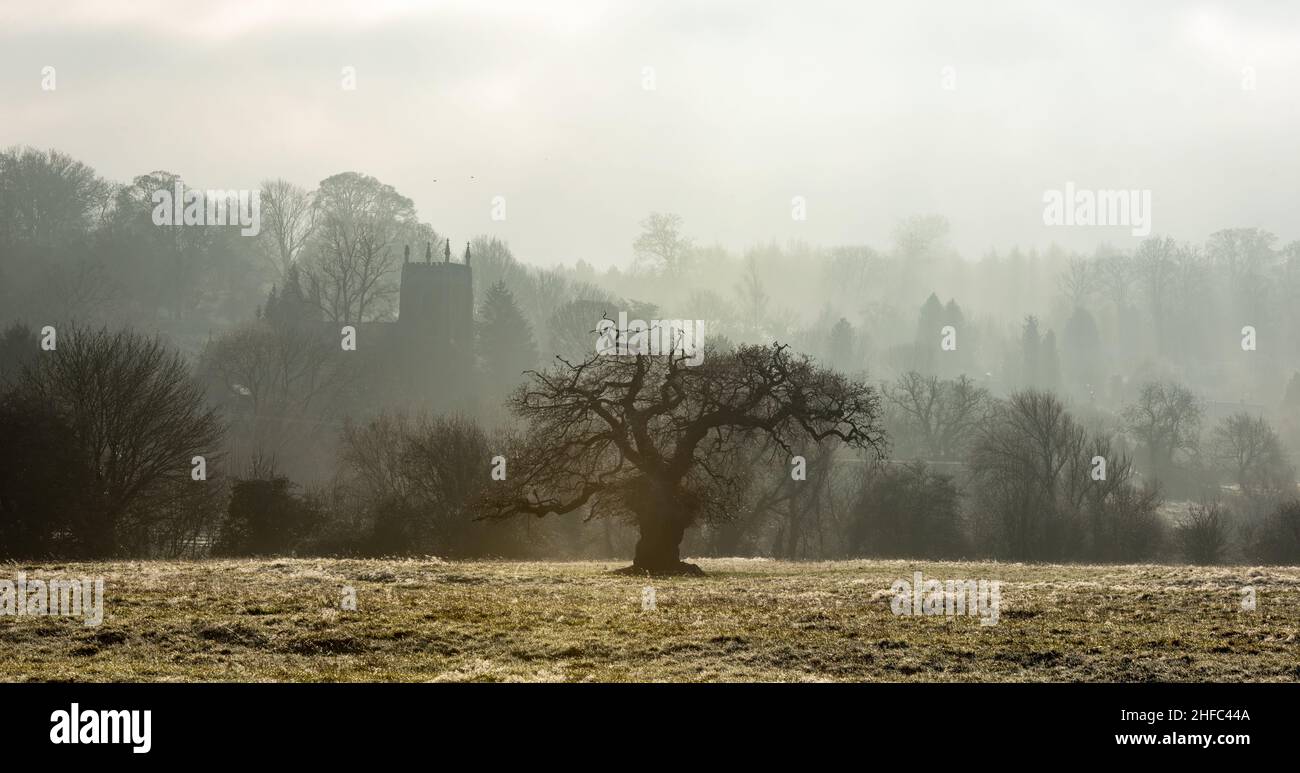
x=1030 y=345
x=841 y=346
x=1084 y=367
x=505 y=340
x=271 y=310
x=929 y=328
x=290 y=306
x=952 y=314
x=955 y=363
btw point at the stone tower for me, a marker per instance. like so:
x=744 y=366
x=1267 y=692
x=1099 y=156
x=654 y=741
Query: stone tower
x=435 y=330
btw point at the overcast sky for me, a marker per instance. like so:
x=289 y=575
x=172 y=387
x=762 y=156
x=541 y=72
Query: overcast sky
x=753 y=103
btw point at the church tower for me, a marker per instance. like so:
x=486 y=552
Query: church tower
x=435 y=329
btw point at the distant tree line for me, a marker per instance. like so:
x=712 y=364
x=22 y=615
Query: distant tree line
x=176 y=343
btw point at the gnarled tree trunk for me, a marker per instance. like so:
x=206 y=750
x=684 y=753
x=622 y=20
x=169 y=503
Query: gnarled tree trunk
x=657 y=550
x=663 y=513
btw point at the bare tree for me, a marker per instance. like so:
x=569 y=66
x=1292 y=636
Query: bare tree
x=373 y=454
x=942 y=414
x=1166 y=419
x=548 y=290
x=48 y=198
x=1115 y=277
x=797 y=506
x=280 y=386
x=139 y=419
x=85 y=289
x=1156 y=265
x=282 y=370
x=753 y=299
x=572 y=328
x=1252 y=454
x=288 y=220
x=1119 y=519
x=1021 y=463
x=661 y=245
x=418 y=478
x=917 y=238
x=652 y=438
x=443 y=461
x=1190 y=274
x=360 y=223
x=1246 y=255
x=1079 y=281
x=1202 y=533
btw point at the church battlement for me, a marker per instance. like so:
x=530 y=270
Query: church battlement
x=428 y=256
x=422 y=266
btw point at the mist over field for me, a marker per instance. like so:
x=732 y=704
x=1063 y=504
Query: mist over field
x=990 y=313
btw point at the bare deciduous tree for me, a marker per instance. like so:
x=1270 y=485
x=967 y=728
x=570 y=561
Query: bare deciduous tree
x=48 y=198
x=288 y=220
x=653 y=438
x=1079 y=281
x=1166 y=419
x=1252 y=454
x=139 y=420
x=417 y=478
x=373 y=454
x=1202 y=533
x=360 y=223
x=661 y=245
x=1115 y=276
x=752 y=298
x=282 y=370
x=1022 y=463
x=798 y=506
x=941 y=414
x=280 y=386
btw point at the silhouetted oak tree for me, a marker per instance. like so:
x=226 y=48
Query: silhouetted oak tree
x=655 y=439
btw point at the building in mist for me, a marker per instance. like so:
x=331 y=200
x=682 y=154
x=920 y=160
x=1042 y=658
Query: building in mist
x=431 y=344
x=424 y=359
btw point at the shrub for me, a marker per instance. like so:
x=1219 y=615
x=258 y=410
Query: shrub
x=906 y=511
x=1275 y=539
x=266 y=516
x=1202 y=533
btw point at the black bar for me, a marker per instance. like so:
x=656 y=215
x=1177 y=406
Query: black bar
x=330 y=721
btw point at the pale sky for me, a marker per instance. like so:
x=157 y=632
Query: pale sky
x=753 y=104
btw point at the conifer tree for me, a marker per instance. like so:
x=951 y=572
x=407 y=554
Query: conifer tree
x=505 y=340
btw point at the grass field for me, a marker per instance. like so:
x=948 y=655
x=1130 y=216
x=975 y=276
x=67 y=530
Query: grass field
x=748 y=620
